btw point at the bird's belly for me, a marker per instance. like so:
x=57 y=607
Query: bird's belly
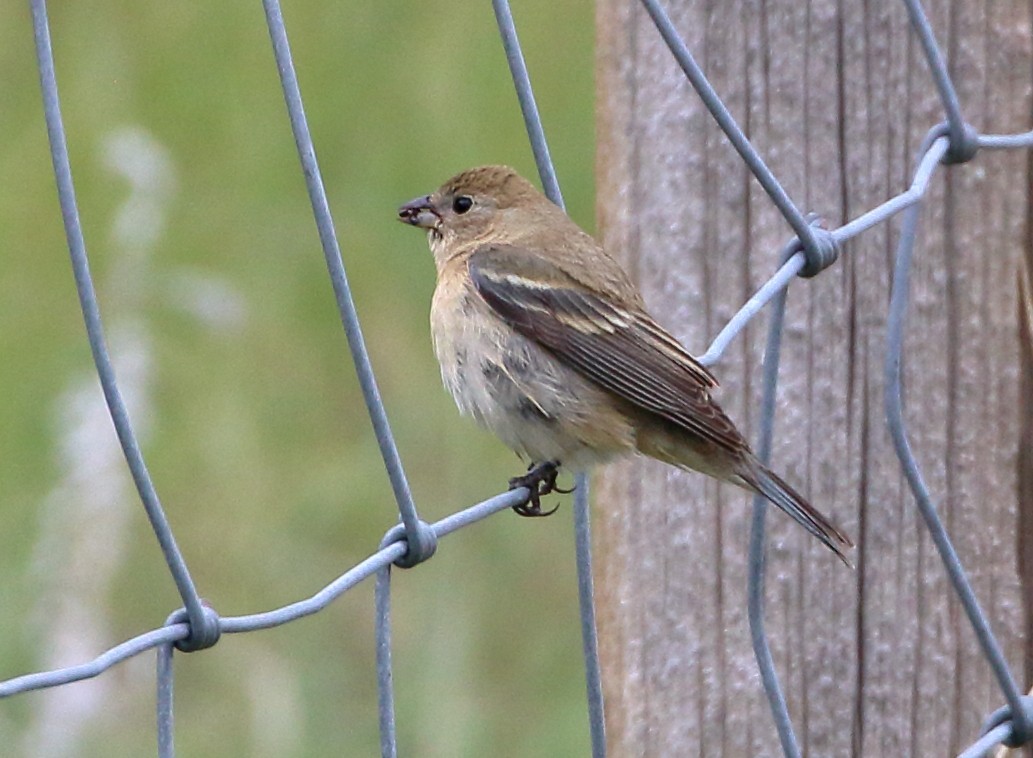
x=538 y=407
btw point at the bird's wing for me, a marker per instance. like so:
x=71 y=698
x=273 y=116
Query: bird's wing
x=621 y=348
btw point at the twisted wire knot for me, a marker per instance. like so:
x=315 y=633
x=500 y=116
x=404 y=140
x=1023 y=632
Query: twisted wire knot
x=1021 y=727
x=201 y=636
x=420 y=545
x=822 y=251
x=964 y=143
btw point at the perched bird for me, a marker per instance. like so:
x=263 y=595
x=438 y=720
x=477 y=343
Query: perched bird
x=544 y=340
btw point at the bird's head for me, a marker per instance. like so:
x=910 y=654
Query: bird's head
x=470 y=206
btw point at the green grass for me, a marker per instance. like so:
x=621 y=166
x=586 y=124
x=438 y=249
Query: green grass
x=254 y=430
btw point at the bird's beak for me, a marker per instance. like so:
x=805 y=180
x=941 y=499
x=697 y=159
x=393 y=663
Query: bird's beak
x=419 y=212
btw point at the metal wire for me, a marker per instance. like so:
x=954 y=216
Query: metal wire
x=385 y=688
x=755 y=578
x=335 y=265
x=728 y=125
x=91 y=316
x=1021 y=723
x=582 y=529
x=959 y=134
x=197 y=626
x=166 y=691
x=528 y=106
x=961 y=145
x=981 y=747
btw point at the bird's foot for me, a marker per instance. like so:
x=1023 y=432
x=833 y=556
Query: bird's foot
x=540 y=479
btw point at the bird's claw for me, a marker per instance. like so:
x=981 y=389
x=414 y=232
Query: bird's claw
x=533 y=509
x=540 y=479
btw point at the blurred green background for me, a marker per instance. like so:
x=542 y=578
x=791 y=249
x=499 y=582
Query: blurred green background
x=229 y=348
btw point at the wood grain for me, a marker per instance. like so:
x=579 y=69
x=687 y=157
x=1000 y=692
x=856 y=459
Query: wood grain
x=836 y=97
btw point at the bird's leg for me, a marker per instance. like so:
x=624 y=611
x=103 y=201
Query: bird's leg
x=540 y=479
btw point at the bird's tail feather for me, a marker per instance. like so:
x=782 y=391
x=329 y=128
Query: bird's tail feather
x=771 y=486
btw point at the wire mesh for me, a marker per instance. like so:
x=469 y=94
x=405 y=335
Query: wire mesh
x=196 y=626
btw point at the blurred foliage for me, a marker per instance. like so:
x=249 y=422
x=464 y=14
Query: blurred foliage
x=253 y=426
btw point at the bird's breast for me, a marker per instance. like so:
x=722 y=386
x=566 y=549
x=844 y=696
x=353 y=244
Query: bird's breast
x=470 y=343
x=539 y=407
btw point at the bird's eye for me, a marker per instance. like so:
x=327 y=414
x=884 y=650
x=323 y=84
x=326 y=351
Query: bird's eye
x=462 y=204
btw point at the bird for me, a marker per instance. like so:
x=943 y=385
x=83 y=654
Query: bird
x=543 y=339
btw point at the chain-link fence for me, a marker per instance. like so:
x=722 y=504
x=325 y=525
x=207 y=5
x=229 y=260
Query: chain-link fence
x=197 y=626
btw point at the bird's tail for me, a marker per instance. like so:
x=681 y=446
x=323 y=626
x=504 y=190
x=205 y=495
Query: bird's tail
x=770 y=485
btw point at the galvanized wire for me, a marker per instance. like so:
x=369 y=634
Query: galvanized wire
x=960 y=143
x=982 y=747
x=954 y=141
x=1022 y=719
x=197 y=626
x=582 y=528
x=335 y=265
x=163 y=711
x=91 y=316
x=385 y=674
x=528 y=105
x=755 y=577
x=796 y=219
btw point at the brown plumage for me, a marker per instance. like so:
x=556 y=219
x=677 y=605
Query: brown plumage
x=543 y=339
